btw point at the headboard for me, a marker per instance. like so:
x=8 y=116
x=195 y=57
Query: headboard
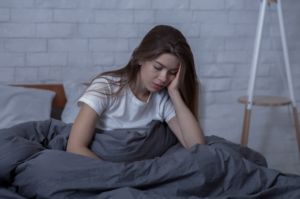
x=59 y=100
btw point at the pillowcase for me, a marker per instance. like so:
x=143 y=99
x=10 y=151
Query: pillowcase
x=73 y=92
x=20 y=104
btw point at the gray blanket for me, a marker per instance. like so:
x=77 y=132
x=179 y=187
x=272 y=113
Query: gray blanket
x=34 y=164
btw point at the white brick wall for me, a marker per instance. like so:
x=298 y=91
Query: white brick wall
x=50 y=41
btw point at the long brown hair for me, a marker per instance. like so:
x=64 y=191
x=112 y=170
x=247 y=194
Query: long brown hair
x=159 y=40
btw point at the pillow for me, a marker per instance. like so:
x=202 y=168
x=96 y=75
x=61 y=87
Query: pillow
x=19 y=104
x=73 y=92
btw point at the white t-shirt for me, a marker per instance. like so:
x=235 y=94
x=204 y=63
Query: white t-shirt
x=125 y=111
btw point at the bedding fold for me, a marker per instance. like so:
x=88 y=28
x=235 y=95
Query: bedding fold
x=152 y=164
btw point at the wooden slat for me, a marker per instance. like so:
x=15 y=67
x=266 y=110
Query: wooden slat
x=264 y=100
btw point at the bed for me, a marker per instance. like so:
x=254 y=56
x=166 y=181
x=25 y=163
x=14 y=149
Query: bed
x=34 y=163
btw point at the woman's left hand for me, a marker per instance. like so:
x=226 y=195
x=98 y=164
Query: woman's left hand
x=173 y=86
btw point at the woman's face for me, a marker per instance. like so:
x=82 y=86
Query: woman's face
x=159 y=73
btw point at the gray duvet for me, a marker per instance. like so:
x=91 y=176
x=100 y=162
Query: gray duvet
x=34 y=164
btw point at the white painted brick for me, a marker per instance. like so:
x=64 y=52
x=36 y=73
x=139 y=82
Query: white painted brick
x=242 y=83
x=144 y=29
x=128 y=30
x=16 y=3
x=207 y=5
x=210 y=17
x=279 y=158
x=234 y=43
x=235 y=4
x=295 y=68
x=133 y=43
x=243 y=70
x=110 y=68
x=206 y=98
x=31 y=15
x=291 y=17
x=243 y=17
x=103 y=59
x=81 y=60
x=122 y=58
x=220 y=70
x=190 y=30
x=17 y=30
x=296 y=83
x=98 y=30
x=118 y=16
x=232 y=57
x=288 y=168
x=7 y=75
x=206 y=44
x=229 y=97
x=109 y=45
x=98 y=4
x=77 y=16
x=173 y=16
x=252 y=5
x=57 y=30
x=25 y=45
x=294 y=57
x=267 y=57
x=83 y=75
x=12 y=59
x=4 y=15
x=144 y=16
x=216 y=84
x=274 y=30
x=49 y=75
x=293 y=44
x=26 y=75
x=67 y=45
x=2 y=45
x=273 y=145
x=218 y=125
x=203 y=57
x=290 y=5
x=170 y=4
x=249 y=30
x=222 y=111
x=216 y=30
x=46 y=59
x=55 y=3
x=133 y=4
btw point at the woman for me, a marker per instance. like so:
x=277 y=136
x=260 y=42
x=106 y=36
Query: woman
x=158 y=83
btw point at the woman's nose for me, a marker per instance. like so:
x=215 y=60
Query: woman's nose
x=163 y=76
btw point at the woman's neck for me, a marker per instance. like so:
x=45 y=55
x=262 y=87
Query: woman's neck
x=139 y=89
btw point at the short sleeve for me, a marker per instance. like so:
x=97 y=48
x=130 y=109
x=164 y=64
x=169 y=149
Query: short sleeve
x=92 y=96
x=169 y=110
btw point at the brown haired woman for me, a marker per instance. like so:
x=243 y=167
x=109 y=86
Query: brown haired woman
x=131 y=97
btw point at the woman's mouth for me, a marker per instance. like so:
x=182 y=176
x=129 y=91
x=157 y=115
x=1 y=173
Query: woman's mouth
x=157 y=86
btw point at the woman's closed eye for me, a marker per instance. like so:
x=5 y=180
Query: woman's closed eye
x=157 y=68
x=171 y=73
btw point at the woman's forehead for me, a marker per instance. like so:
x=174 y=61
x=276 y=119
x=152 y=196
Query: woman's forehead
x=168 y=61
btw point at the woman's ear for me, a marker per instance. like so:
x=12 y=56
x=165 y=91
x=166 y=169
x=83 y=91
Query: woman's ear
x=140 y=62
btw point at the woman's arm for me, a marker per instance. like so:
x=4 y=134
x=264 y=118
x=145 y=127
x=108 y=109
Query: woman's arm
x=184 y=124
x=82 y=132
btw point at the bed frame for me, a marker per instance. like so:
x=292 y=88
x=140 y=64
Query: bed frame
x=59 y=100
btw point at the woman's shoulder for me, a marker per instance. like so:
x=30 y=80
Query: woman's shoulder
x=107 y=84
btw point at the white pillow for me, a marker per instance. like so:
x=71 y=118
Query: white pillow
x=73 y=92
x=19 y=104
